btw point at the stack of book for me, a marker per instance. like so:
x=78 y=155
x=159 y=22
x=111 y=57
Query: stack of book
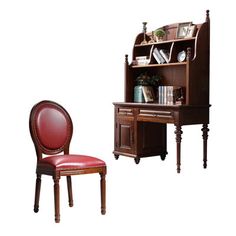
x=141 y=61
x=170 y=95
x=161 y=55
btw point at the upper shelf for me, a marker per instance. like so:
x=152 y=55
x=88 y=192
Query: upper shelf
x=157 y=65
x=165 y=41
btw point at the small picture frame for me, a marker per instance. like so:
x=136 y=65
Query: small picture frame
x=148 y=94
x=182 y=30
x=191 y=31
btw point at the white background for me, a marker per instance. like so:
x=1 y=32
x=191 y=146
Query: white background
x=72 y=52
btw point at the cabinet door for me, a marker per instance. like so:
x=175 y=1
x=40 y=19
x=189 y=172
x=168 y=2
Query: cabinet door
x=124 y=136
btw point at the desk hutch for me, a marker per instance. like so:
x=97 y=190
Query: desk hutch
x=140 y=128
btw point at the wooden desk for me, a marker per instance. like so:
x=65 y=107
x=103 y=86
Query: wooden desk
x=140 y=129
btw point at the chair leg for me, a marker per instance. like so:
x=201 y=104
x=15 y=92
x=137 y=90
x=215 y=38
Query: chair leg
x=69 y=187
x=57 y=198
x=103 y=193
x=37 y=193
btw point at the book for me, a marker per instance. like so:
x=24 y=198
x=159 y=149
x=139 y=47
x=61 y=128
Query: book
x=158 y=57
x=143 y=60
x=148 y=94
x=160 y=95
x=165 y=54
x=169 y=95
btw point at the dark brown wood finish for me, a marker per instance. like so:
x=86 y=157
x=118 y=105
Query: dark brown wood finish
x=205 y=136
x=140 y=128
x=178 y=132
x=68 y=173
x=56 y=173
x=37 y=193
x=136 y=138
x=69 y=187
x=56 y=179
x=103 y=192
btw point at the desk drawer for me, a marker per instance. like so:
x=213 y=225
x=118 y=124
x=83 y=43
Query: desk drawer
x=125 y=111
x=153 y=115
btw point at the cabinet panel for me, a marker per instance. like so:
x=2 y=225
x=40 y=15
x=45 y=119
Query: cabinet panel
x=124 y=133
x=137 y=138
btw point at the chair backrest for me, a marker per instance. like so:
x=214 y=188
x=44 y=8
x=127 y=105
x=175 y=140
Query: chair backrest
x=51 y=128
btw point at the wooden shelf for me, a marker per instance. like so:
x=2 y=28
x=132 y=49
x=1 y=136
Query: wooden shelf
x=147 y=105
x=140 y=128
x=165 y=41
x=192 y=75
x=161 y=65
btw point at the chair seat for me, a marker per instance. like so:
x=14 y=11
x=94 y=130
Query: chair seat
x=71 y=162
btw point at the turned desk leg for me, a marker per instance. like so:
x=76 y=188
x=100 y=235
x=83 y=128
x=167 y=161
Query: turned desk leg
x=205 y=136
x=178 y=132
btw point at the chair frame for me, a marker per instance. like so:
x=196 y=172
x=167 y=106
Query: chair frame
x=56 y=174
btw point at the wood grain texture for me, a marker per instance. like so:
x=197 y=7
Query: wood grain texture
x=141 y=132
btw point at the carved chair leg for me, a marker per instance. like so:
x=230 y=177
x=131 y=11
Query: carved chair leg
x=178 y=132
x=205 y=136
x=57 y=198
x=103 y=193
x=37 y=193
x=69 y=187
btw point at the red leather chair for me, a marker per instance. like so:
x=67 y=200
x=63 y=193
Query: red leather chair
x=51 y=130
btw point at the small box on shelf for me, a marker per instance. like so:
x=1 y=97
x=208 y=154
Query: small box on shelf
x=141 y=61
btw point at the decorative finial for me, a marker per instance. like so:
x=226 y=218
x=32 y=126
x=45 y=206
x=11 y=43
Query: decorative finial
x=126 y=58
x=144 y=27
x=207 y=15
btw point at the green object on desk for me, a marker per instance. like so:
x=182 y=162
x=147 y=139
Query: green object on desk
x=138 y=94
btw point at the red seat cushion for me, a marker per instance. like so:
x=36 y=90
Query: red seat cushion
x=71 y=162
